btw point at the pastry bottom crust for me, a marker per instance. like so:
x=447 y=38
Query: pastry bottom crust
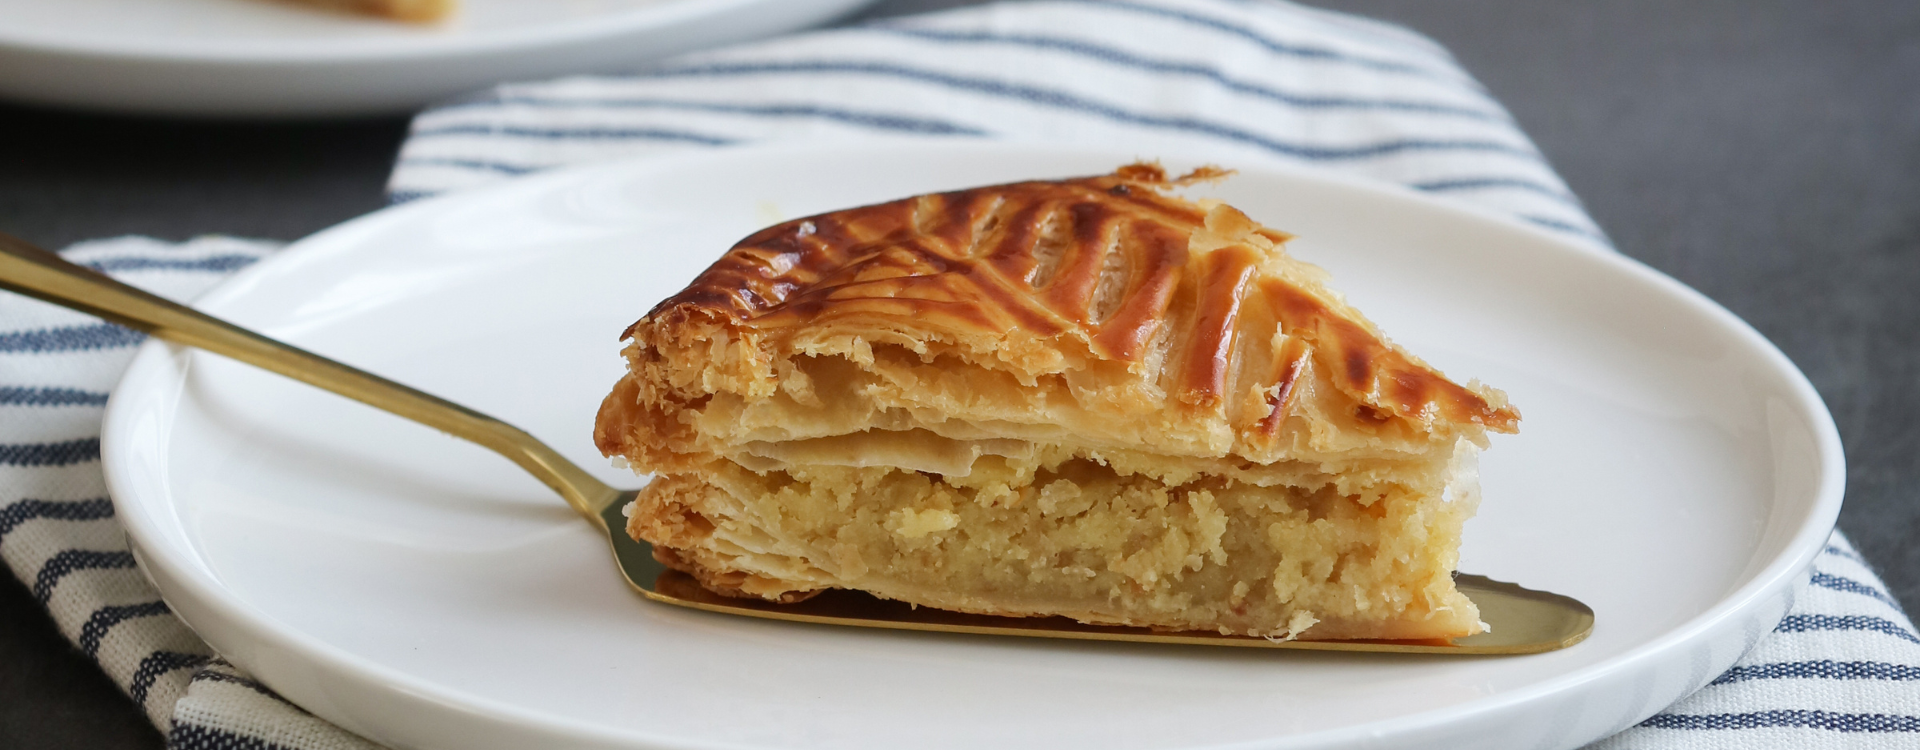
x=1085 y=542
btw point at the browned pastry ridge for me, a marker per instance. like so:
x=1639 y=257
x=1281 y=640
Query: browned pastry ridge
x=1084 y=397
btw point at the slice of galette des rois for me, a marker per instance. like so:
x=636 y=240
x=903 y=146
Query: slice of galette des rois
x=1087 y=398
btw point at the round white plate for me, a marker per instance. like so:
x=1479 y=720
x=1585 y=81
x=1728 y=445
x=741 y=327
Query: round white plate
x=1674 y=471
x=268 y=58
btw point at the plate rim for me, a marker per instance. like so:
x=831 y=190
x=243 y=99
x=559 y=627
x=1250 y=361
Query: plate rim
x=1763 y=586
x=320 y=51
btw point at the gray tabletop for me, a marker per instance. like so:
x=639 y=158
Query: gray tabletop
x=1766 y=153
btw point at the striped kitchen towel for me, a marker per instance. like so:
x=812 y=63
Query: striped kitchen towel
x=1245 y=80
x=1241 y=82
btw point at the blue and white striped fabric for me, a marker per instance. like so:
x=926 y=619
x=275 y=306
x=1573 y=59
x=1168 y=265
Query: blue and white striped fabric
x=1244 y=80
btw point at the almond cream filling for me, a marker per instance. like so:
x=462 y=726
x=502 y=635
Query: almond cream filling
x=1085 y=541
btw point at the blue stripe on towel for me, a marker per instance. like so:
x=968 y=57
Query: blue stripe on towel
x=1289 y=49
x=1825 y=669
x=1492 y=183
x=85 y=337
x=60 y=510
x=1844 y=554
x=1828 y=720
x=50 y=454
x=209 y=675
x=211 y=264
x=159 y=663
x=1562 y=226
x=1363 y=29
x=1118 y=57
x=187 y=736
x=25 y=396
x=74 y=560
x=876 y=120
x=1809 y=623
x=587 y=133
x=482 y=164
x=104 y=618
x=1071 y=102
x=1850 y=586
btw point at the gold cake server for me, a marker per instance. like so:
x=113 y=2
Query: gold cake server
x=1522 y=621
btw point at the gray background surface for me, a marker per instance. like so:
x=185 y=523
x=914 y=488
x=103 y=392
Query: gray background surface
x=1766 y=153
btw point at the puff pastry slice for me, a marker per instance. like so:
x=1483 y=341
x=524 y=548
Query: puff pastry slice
x=1084 y=397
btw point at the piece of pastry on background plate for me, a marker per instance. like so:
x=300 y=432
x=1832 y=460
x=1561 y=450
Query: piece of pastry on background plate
x=1087 y=398
x=413 y=11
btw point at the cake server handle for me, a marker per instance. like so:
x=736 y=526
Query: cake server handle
x=42 y=274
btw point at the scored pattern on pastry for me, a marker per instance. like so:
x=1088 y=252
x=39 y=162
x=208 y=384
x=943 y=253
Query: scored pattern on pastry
x=1102 y=257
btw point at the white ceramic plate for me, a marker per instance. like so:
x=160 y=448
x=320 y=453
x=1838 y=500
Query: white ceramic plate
x=1674 y=471
x=265 y=58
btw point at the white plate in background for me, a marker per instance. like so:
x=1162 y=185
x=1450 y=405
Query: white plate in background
x=269 y=58
x=1673 y=471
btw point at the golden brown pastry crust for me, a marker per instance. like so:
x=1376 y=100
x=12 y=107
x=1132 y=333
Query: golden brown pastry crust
x=1024 y=276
